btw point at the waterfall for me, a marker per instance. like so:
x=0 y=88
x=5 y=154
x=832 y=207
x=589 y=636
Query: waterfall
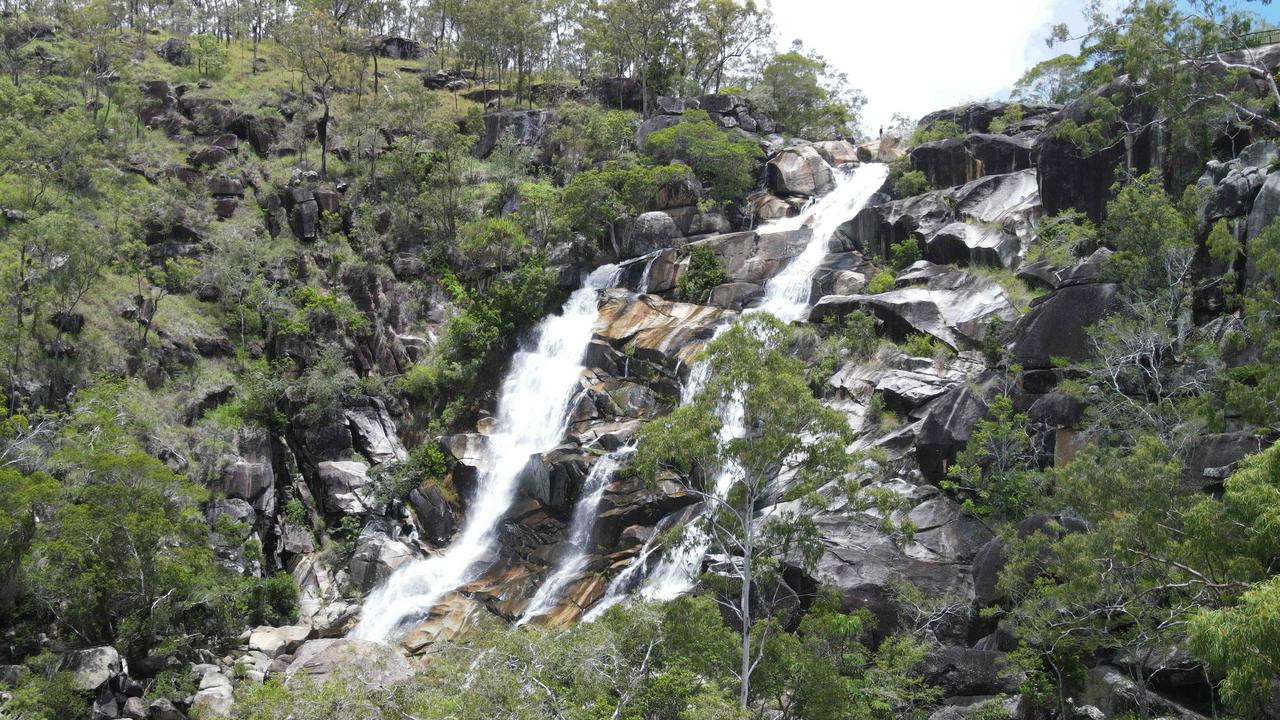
x=531 y=417
x=580 y=527
x=786 y=295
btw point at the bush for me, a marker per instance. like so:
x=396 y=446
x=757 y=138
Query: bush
x=596 y=202
x=939 y=130
x=904 y=254
x=705 y=272
x=491 y=243
x=884 y=281
x=426 y=464
x=911 y=183
x=721 y=159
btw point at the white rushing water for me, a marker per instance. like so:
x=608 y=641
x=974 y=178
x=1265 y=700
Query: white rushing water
x=532 y=417
x=580 y=527
x=786 y=295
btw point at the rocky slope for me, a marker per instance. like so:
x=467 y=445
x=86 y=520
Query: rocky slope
x=974 y=290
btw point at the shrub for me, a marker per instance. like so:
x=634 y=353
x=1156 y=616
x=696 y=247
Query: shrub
x=723 y=160
x=884 y=281
x=596 y=202
x=705 y=272
x=491 y=243
x=902 y=255
x=938 y=130
x=426 y=464
x=910 y=183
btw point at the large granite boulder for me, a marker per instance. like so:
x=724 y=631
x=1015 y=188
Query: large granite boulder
x=946 y=430
x=1057 y=324
x=751 y=257
x=966 y=244
x=956 y=161
x=661 y=333
x=274 y=641
x=990 y=560
x=378 y=553
x=799 y=171
x=372 y=663
x=91 y=668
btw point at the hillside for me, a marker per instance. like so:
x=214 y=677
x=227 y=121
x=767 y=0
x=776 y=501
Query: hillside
x=510 y=360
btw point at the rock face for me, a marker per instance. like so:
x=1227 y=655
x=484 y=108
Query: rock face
x=1056 y=325
x=528 y=127
x=346 y=486
x=91 y=668
x=954 y=307
x=956 y=161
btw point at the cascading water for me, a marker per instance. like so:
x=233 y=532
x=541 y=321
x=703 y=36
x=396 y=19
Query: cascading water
x=532 y=417
x=580 y=527
x=786 y=296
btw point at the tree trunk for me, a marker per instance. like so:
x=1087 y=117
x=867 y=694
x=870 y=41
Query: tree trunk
x=323 y=132
x=745 y=608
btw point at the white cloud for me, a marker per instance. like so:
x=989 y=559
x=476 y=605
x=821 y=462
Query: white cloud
x=916 y=56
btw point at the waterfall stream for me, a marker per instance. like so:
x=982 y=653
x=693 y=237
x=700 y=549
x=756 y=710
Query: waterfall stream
x=786 y=296
x=583 y=522
x=532 y=417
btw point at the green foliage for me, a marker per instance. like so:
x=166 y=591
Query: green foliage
x=722 y=160
x=937 y=130
x=601 y=200
x=44 y=693
x=995 y=474
x=473 y=339
x=924 y=345
x=750 y=368
x=883 y=282
x=585 y=135
x=1012 y=115
x=849 y=339
x=1253 y=389
x=907 y=183
x=1151 y=237
x=705 y=272
x=1061 y=237
x=801 y=91
x=490 y=243
x=426 y=464
x=904 y=254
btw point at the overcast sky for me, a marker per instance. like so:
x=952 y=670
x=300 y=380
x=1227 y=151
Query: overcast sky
x=916 y=56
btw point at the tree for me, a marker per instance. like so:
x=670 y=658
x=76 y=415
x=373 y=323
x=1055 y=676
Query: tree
x=776 y=429
x=723 y=160
x=640 y=34
x=996 y=471
x=316 y=43
x=810 y=100
x=725 y=32
x=446 y=196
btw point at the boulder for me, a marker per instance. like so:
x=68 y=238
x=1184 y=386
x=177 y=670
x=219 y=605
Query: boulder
x=799 y=171
x=964 y=244
x=684 y=192
x=965 y=671
x=371 y=663
x=754 y=257
x=273 y=641
x=397 y=48
x=1056 y=325
x=1214 y=456
x=650 y=232
x=653 y=125
x=374 y=433
x=253 y=482
x=529 y=127
x=175 y=51
x=1117 y=695
x=954 y=307
x=91 y=668
x=837 y=152
x=735 y=295
x=662 y=333
x=345 y=486
x=990 y=560
x=956 y=161
x=436 y=517
x=946 y=430
x=377 y=555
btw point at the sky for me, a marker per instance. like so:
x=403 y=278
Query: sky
x=916 y=56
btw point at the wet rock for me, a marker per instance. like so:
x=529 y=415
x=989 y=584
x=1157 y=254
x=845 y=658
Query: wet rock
x=753 y=257
x=735 y=295
x=956 y=161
